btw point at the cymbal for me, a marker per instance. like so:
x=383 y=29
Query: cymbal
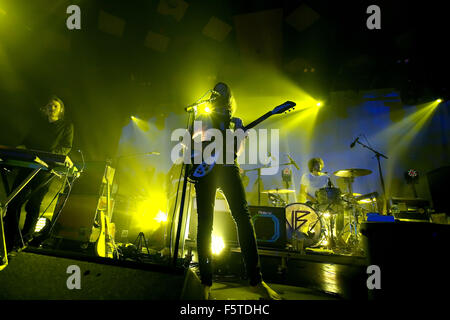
x=348 y=194
x=352 y=173
x=279 y=191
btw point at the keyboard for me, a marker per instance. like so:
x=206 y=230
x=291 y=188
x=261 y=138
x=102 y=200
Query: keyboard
x=35 y=158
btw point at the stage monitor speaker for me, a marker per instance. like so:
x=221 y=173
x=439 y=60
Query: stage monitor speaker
x=270 y=226
x=437 y=180
x=77 y=218
x=41 y=275
x=91 y=179
x=411 y=257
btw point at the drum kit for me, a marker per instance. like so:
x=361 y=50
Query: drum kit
x=333 y=220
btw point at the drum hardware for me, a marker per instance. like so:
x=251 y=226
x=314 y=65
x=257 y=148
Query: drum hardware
x=275 y=196
x=352 y=173
x=276 y=200
x=259 y=179
x=328 y=196
x=349 y=175
x=278 y=191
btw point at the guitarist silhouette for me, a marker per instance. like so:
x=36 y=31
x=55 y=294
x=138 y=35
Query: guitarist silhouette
x=227 y=178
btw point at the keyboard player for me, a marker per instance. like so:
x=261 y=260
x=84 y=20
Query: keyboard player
x=51 y=134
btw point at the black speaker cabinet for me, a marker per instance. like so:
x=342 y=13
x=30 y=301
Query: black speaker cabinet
x=411 y=257
x=438 y=181
x=78 y=212
x=77 y=218
x=270 y=226
x=44 y=275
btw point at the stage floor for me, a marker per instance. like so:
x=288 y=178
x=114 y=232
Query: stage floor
x=235 y=290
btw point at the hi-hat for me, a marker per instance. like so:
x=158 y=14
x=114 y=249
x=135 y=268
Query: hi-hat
x=279 y=191
x=352 y=173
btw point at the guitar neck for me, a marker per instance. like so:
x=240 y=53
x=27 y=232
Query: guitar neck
x=257 y=121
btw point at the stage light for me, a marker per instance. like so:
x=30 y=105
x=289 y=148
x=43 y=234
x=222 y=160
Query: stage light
x=319 y=104
x=149 y=213
x=204 y=109
x=141 y=124
x=40 y=224
x=439 y=100
x=161 y=217
x=217 y=244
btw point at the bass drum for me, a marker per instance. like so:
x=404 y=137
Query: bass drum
x=303 y=222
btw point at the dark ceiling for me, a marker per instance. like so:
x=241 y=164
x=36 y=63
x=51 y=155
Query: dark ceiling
x=345 y=54
x=111 y=70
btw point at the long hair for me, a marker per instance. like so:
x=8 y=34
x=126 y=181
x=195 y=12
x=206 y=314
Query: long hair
x=61 y=103
x=224 y=98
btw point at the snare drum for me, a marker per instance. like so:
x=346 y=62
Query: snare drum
x=303 y=222
x=328 y=195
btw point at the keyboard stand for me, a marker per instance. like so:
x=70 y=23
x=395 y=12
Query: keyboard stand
x=3 y=206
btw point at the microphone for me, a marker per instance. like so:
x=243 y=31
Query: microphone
x=293 y=162
x=192 y=107
x=354 y=142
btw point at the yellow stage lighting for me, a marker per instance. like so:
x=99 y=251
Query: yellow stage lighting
x=439 y=100
x=319 y=104
x=161 y=217
x=204 y=109
x=40 y=224
x=141 y=124
x=217 y=244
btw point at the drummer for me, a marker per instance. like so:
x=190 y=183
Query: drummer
x=312 y=181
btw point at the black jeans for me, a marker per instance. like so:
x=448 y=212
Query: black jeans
x=34 y=192
x=226 y=178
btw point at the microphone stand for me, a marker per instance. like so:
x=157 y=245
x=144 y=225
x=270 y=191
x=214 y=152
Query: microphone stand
x=378 y=155
x=259 y=177
x=190 y=128
x=258 y=181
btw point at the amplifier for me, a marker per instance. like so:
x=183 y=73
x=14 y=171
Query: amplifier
x=270 y=226
x=410 y=209
x=437 y=180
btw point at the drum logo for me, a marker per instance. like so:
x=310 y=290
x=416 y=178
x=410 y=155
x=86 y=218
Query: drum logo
x=296 y=221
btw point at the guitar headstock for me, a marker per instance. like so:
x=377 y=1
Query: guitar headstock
x=287 y=106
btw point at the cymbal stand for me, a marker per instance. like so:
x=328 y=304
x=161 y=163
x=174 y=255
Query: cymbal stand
x=259 y=180
x=353 y=224
x=330 y=236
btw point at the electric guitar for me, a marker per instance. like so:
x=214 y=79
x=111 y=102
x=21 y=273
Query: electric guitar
x=198 y=171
